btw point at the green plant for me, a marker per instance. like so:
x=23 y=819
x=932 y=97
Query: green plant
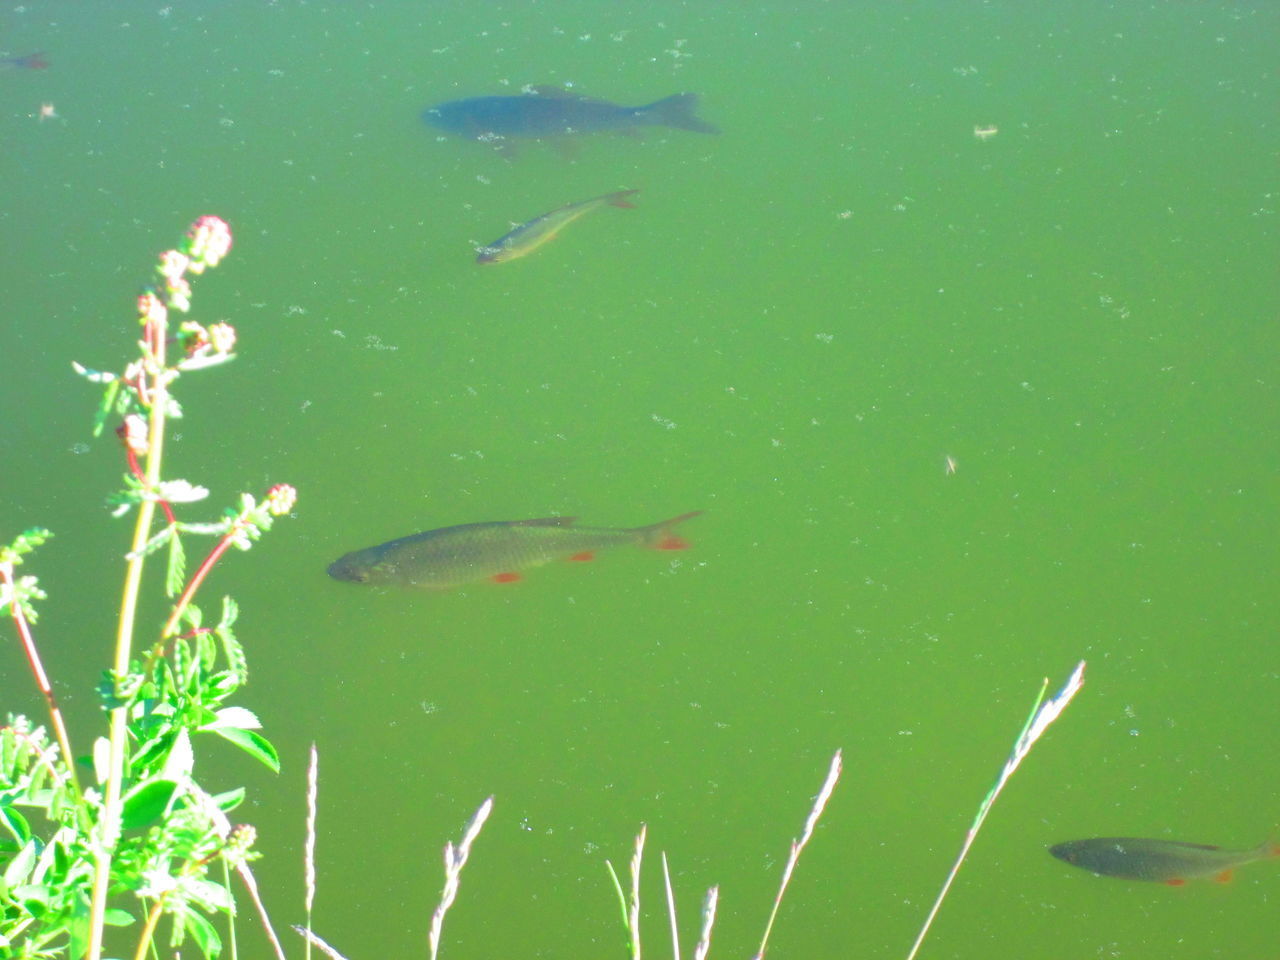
x=144 y=840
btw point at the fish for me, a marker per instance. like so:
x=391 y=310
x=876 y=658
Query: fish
x=553 y=111
x=528 y=237
x=1161 y=861
x=31 y=61
x=497 y=551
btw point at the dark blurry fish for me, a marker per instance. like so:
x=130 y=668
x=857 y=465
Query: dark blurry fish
x=1163 y=861
x=528 y=237
x=31 y=61
x=553 y=111
x=497 y=551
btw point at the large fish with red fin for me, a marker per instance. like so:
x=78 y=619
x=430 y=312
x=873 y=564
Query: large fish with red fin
x=1160 y=861
x=497 y=551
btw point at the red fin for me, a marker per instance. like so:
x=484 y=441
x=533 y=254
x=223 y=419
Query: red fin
x=619 y=199
x=583 y=557
x=658 y=536
x=510 y=577
x=1224 y=876
x=1175 y=881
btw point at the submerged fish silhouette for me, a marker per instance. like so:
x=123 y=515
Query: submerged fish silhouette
x=528 y=237
x=553 y=111
x=452 y=556
x=1162 y=861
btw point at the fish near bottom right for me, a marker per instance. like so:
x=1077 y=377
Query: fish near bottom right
x=1158 y=861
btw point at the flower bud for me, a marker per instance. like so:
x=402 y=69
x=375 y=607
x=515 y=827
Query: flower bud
x=151 y=308
x=281 y=498
x=134 y=434
x=173 y=265
x=223 y=337
x=179 y=291
x=208 y=242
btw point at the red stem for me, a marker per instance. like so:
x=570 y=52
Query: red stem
x=42 y=679
x=198 y=578
x=137 y=472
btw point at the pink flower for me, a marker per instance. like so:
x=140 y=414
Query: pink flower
x=173 y=265
x=179 y=291
x=223 y=337
x=209 y=240
x=281 y=498
x=151 y=308
x=134 y=433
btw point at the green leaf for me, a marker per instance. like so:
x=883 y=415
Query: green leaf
x=229 y=800
x=154 y=544
x=15 y=823
x=180 y=761
x=25 y=542
x=234 y=717
x=204 y=933
x=146 y=803
x=251 y=743
x=115 y=917
x=109 y=397
x=35 y=898
x=102 y=759
x=230 y=645
x=176 y=572
x=153 y=751
x=20 y=867
x=179 y=491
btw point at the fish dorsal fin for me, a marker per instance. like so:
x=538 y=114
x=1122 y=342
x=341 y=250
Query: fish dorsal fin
x=549 y=90
x=547 y=522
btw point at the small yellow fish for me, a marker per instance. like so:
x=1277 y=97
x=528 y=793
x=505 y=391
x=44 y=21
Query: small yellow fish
x=528 y=237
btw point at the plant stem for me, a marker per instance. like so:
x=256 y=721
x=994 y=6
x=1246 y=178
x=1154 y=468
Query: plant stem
x=171 y=625
x=109 y=827
x=149 y=930
x=42 y=679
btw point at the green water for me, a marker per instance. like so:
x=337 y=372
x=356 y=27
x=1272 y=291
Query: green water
x=798 y=324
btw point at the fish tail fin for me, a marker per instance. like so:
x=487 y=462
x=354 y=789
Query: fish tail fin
x=619 y=199
x=658 y=536
x=676 y=111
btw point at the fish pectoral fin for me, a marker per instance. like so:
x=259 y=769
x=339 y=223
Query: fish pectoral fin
x=1176 y=882
x=507 y=577
x=584 y=557
x=672 y=542
x=1224 y=876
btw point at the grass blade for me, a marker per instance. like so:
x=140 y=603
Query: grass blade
x=671 y=909
x=708 y=921
x=455 y=858
x=819 y=803
x=1042 y=714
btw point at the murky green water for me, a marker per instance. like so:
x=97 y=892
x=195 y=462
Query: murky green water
x=799 y=323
